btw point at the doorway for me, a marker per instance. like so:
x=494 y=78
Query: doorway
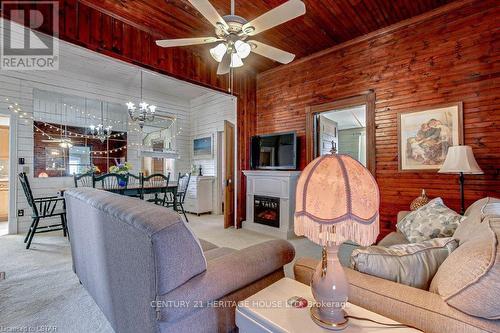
x=348 y=123
x=4 y=174
x=228 y=172
x=344 y=130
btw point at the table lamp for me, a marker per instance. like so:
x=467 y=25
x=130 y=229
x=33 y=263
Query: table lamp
x=460 y=160
x=337 y=199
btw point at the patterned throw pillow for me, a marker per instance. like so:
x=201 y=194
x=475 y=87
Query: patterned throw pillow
x=434 y=220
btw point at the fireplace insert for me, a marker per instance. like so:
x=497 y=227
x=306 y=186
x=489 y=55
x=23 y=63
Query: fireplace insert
x=266 y=210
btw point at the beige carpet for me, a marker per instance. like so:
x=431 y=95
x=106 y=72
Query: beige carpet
x=41 y=291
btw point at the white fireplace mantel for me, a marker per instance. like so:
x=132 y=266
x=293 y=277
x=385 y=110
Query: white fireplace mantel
x=276 y=184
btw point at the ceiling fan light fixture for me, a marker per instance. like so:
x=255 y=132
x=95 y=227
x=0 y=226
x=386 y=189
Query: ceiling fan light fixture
x=236 y=60
x=232 y=30
x=218 y=52
x=242 y=49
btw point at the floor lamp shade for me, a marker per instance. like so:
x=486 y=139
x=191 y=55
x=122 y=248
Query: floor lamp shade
x=460 y=159
x=337 y=199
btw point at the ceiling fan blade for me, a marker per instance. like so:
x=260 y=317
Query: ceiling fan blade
x=209 y=12
x=186 y=41
x=276 y=16
x=224 y=65
x=271 y=52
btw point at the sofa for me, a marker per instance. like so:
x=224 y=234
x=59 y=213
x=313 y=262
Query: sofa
x=464 y=295
x=148 y=272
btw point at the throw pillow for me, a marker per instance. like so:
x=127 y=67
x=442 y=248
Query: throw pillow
x=473 y=216
x=468 y=280
x=434 y=220
x=410 y=264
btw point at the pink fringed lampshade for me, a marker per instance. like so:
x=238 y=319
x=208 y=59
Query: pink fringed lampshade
x=337 y=199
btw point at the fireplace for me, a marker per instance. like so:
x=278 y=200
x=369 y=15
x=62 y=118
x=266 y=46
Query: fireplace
x=266 y=210
x=270 y=201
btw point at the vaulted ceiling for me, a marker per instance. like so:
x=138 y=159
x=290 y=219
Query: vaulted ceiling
x=325 y=24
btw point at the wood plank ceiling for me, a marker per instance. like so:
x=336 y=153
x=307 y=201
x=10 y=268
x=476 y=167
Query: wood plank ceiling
x=325 y=24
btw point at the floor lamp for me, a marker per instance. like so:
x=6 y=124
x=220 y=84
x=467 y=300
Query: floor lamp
x=460 y=160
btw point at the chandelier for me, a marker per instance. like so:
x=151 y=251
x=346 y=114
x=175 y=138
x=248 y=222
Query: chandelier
x=100 y=131
x=145 y=112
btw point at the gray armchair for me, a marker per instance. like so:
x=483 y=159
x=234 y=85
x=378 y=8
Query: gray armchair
x=147 y=271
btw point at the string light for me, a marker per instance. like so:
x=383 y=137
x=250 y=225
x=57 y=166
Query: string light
x=74 y=134
x=17 y=109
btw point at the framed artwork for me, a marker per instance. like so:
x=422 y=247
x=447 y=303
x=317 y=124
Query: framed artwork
x=203 y=148
x=424 y=136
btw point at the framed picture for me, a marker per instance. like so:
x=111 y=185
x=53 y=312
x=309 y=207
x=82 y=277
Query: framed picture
x=424 y=136
x=203 y=148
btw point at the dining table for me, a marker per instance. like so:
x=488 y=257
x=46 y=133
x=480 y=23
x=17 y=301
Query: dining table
x=135 y=190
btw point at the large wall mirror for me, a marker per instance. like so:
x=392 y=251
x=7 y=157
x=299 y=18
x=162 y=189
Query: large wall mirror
x=158 y=155
x=66 y=141
x=61 y=150
x=347 y=123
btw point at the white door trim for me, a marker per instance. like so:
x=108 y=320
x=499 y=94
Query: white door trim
x=12 y=215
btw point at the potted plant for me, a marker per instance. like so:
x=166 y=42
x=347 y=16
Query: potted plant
x=121 y=169
x=93 y=169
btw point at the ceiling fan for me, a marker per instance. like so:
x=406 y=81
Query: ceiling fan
x=232 y=32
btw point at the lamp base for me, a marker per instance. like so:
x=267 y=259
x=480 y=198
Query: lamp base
x=329 y=287
x=326 y=323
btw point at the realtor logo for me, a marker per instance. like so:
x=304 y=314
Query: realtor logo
x=23 y=47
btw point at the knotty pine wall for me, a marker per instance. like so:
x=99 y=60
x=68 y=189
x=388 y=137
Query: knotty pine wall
x=448 y=58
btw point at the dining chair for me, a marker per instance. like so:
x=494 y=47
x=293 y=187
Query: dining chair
x=182 y=186
x=136 y=182
x=83 y=179
x=113 y=182
x=159 y=182
x=43 y=207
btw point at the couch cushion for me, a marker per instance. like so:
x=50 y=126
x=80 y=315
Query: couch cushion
x=474 y=215
x=477 y=206
x=430 y=221
x=469 y=279
x=394 y=238
x=410 y=264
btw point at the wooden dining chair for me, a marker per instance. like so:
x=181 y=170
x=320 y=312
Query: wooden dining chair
x=160 y=182
x=43 y=207
x=84 y=179
x=182 y=186
x=113 y=182
x=136 y=182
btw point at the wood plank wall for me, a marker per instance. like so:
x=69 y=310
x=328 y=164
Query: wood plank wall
x=93 y=29
x=448 y=58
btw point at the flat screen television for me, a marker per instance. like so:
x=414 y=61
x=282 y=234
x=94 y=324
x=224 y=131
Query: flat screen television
x=274 y=151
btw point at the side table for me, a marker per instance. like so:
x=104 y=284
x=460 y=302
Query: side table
x=268 y=311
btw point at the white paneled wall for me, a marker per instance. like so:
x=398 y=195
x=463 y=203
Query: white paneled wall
x=88 y=74
x=208 y=113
